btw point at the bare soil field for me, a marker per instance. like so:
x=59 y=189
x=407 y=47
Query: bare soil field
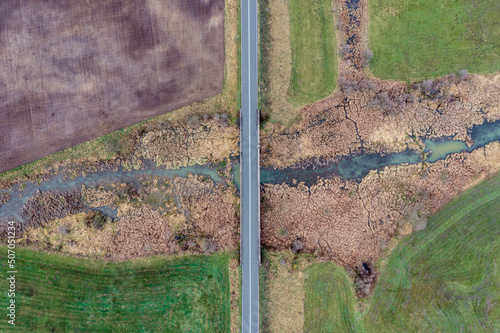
x=117 y=63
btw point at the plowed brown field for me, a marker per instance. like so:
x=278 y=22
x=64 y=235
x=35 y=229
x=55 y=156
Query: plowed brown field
x=73 y=71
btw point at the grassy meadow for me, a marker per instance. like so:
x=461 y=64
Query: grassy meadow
x=329 y=300
x=314 y=47
x=63 y=294
x=442 y=279
x=418 y=39
x=445 y=278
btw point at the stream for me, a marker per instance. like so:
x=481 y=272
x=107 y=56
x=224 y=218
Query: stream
x=356 y=167
x=349 y=167
x=22 y=194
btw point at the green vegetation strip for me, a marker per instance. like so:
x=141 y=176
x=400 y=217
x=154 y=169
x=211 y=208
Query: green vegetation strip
x=63 y=294
x=329 y=302
x=313 y=44
x=442 y=279
x=445 y=278
x=418 y=39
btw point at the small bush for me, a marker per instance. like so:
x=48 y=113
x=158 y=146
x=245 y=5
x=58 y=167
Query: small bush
x=345 y=49
x=366 y=85
x=382 y=101
x=283 y=232
x=416 y=217
x=194 y=121
x=97 y=220
x=297 y=246
x=367 y=277
x=208 y=246
x=366 y=57
x=114 y=144
x=64 y=229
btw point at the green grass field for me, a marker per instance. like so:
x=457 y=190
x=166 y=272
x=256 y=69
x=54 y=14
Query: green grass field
x=313 y=44
x=445 y=278
x=442 y=279
x=63 y=294
x=419 y=39
x=329 y=300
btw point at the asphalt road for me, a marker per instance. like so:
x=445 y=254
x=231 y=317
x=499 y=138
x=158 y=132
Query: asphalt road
x=249 y=162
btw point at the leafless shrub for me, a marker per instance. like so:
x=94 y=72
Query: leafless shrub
x=208 y=246
x=405 y=99
x=367 y=277
x=366 y=57
x=367 y=85
x=64 y=229
x=382 y=101
x=297 y=246
x=345 y=49
x=283 y=232
x=194 y=121
x=417 y=217
x=427 y=86
x=221 y=119
x=391 y=106
x=162 y=125
x=462 y=74
x=347 y=86
x=452 y=77
x=191 y=244
x=436 y=89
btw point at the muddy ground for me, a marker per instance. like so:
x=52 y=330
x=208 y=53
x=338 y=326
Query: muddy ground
x=351 y=222
x=77 y=70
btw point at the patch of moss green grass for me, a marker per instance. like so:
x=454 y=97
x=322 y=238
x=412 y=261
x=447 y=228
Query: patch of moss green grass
x=267 y=270
x=313 y=44
x=419 y=39
x=329 y=300
x=62 y=294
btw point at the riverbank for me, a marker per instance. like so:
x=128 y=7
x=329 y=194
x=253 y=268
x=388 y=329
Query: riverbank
x=372 y=161
x=350 y=222
x=172 y=193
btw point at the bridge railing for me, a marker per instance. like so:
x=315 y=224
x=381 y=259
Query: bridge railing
x=241 y=210
x=258 y=179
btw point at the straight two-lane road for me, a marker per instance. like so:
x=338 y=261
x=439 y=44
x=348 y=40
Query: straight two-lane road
x=249 y=162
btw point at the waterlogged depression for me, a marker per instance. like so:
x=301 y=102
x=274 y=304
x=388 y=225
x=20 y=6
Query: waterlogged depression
x=350 y=167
